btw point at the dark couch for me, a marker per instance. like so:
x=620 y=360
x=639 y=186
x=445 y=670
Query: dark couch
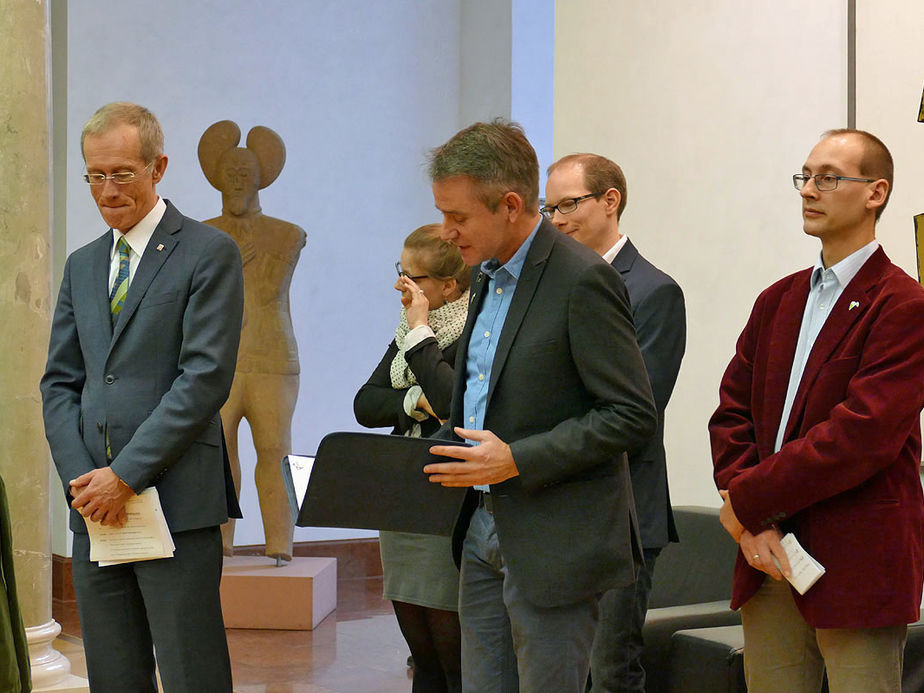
x=711 y=660
x=691 y=588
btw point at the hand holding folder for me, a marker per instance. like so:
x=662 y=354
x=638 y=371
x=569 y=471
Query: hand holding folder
x=375 y=481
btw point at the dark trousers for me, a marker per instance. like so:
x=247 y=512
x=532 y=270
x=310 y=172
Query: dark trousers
x=616 y=658
x=171 y=605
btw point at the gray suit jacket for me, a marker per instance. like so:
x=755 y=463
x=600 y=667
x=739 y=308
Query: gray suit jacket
x=661 y=326
x=158 y=378
x=568 y=392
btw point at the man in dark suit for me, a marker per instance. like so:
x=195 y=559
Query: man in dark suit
x=551 y=389
x=818 y=433
x=141 y=357
x=584 y=198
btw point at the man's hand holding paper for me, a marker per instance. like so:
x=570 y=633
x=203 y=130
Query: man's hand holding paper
x=143 y=536
x=100 y=496
x=763 y=551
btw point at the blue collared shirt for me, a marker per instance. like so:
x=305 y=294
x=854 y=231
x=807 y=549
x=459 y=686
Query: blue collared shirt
x=825 y=287
x=482 y=345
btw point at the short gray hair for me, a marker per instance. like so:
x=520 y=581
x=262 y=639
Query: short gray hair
x=124 y=113
x=496 y=156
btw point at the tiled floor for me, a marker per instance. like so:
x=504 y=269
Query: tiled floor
x=357 y=649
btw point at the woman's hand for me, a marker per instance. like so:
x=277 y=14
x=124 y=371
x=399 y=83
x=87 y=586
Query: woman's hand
x=424 y=405
x=414 y=301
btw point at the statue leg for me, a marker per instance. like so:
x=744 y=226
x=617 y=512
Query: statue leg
x=231 y=414
x=270 y=405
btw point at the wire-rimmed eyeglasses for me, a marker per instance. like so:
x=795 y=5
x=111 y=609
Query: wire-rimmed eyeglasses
x=119 y=177
x=825 y=182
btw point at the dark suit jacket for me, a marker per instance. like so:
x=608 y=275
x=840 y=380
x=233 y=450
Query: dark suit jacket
x=661 y=328
x=568 y=392
x=158 y=378
x=846 y=480
x=378 y=404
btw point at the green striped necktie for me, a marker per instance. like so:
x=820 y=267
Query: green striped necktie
x=116 y=301
x=120 y=286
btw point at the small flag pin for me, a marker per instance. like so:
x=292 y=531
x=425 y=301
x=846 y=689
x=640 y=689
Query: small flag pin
x=853 y=304
x=160 y=246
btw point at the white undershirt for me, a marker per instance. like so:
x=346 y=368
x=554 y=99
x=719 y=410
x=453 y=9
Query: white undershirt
x=611 y=254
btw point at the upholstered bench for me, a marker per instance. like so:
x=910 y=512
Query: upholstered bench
x=707 y=660
x=711 y=660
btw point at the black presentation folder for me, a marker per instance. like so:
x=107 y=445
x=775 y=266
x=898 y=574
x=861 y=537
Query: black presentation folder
x=376 y=481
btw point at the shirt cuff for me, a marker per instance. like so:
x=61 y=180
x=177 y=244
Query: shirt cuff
x=410 y=403
x=417 y=335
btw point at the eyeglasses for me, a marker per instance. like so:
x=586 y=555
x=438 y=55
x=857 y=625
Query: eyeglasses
x=825 y=182
x=566 y=206
x=119 y=177
x=414 y=277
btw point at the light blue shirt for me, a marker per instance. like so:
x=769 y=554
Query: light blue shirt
x=825 y=287
x=482 y=345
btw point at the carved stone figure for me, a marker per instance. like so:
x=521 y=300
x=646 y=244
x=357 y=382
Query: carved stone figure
x=266 y=380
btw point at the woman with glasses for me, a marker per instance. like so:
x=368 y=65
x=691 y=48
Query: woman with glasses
x=410 y=390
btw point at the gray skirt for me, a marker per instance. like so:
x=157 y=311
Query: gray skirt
x=418 y=569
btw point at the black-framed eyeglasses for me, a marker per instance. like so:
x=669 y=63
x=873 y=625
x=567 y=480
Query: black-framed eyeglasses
x=566 y=206
x=119 y=177
x=825 y=182
x=413 y=277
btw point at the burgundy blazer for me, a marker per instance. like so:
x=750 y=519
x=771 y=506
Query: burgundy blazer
x=846 y=480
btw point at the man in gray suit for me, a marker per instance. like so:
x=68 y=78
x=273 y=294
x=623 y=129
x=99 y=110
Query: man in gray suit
x=551 y=388
x=141 y=358
x=584 y=198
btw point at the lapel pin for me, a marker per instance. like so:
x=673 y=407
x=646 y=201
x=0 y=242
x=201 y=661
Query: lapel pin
x=853 y=304
x=160 y=246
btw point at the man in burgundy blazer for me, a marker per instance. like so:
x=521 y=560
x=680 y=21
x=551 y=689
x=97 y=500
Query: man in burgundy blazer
x=833 y=356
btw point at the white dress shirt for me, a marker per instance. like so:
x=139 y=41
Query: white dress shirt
x=137 y=238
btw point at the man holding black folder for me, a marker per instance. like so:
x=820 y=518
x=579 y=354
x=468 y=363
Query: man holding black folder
x=551 y=389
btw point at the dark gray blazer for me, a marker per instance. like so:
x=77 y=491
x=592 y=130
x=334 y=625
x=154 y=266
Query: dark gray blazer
x=568 y=392
x=156 y=380
x=661 y=326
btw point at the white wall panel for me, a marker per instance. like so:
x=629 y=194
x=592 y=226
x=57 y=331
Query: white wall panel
x=710 y=106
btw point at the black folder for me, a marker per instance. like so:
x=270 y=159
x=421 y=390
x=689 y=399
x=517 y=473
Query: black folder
x=376 y=481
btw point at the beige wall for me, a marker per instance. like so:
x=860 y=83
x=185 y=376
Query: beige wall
x=890 y=76
x=710 y=107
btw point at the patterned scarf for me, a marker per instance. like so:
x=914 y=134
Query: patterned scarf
x=446 y=322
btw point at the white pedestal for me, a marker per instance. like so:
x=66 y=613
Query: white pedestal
x=51 y=670
x=294 y=596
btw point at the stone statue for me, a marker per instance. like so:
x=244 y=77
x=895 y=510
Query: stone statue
x=266 y=380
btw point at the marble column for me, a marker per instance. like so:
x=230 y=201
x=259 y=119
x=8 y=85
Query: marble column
x=25 y=283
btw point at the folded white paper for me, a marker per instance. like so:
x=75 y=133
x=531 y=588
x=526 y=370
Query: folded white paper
x=805 y=569
x=144 y=537
x=296 y=472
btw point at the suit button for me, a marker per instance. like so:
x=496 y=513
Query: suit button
x=109 y=379
x=99 y=427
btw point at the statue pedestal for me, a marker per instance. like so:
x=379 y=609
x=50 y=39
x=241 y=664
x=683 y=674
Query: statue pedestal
x=295 y=596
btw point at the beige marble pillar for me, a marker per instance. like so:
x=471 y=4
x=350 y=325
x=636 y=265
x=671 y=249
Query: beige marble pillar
x=25 y=282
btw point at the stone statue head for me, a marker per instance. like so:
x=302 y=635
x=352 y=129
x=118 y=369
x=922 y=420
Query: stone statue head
x=240 y=172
